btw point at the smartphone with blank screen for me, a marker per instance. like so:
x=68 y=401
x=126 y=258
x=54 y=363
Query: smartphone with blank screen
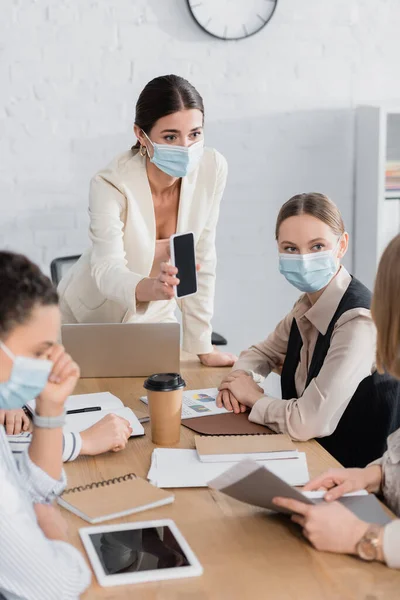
x=183 y=257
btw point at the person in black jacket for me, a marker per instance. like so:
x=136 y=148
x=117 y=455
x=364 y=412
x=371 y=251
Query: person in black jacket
x=331 y=526
x=324 y=348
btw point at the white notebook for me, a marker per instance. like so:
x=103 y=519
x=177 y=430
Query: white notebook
x=175 y=468
x=108 y=403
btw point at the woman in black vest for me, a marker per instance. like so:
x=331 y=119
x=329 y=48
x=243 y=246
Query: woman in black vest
x=332 y=527
x=324 y=348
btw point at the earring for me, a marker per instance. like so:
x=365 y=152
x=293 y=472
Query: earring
x=143 y=150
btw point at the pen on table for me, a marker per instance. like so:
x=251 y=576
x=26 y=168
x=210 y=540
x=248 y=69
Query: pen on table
x=144 y=419
x=83 y=410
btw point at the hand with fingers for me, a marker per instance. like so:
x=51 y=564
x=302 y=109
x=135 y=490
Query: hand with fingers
x=161 y=287
x=61 y=383
x=15 y=421
x=329 y=527
x=217 y=359
x=338 y=482
x=110 y=433
x=243 y=391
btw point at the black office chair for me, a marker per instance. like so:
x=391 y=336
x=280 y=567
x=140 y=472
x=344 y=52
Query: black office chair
x=59 y=267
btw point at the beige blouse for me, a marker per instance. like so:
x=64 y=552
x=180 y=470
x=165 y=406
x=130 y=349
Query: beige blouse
x=390 y=463
x=351 y=358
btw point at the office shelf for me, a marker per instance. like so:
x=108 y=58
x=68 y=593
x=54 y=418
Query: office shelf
x=377 y=211
x=392 y=195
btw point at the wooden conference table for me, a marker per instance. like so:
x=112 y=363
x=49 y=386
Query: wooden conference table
x=246 y=553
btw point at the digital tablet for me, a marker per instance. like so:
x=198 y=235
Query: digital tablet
x=139 y=552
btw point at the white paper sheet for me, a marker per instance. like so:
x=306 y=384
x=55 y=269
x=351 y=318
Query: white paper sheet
x=198 y=403
x=260 y=456
x=318 y=494
x=174 y=468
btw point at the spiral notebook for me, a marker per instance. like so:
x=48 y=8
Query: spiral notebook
x=105 y=500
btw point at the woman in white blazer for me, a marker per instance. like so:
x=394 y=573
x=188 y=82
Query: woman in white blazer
x=168 y=183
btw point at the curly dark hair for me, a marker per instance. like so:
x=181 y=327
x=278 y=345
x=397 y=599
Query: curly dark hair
x=22 y=287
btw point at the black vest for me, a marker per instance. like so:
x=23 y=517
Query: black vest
x=372 y=414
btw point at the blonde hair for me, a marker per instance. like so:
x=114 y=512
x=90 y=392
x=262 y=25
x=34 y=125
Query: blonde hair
x=385 y=310
x=317 y=205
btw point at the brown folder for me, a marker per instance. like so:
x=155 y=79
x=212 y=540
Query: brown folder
x=243 y=444
x=225 y=424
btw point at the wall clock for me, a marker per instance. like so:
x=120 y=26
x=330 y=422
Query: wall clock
x=232 y=19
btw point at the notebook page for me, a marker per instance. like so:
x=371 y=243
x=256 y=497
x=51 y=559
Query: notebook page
x=82 y=421
x=103 y=399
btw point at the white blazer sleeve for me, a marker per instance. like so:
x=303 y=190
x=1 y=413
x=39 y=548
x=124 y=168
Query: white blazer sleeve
x=108 y=262
x=197 y=310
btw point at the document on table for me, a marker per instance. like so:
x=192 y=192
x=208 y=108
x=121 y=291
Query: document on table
x=106 y=402
x=175 y=468
x=198 y=403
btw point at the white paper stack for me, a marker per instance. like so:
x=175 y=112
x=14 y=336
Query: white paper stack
x=175 y=468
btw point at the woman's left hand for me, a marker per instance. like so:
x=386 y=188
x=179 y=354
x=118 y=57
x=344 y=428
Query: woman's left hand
x=330 y=527
x=217 y=359
x=243 y=387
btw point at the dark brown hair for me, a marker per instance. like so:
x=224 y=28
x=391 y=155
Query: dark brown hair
x=386 y=310
x=164 y=96
x=22 y=287
x=317 y=205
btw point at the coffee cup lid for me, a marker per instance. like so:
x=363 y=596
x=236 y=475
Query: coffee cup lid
x=164 y=382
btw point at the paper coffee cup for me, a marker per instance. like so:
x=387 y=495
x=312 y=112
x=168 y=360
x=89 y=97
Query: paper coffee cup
x=164 y=394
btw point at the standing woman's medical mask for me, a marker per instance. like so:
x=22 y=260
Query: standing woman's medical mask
x=309 y=272
x=28 y=378
x=177 y=161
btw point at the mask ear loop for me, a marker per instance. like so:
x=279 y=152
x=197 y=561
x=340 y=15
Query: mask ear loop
x=7 y=351
x=143 y=148
x=336 y=247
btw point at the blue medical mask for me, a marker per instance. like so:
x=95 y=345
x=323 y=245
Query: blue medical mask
x=28 y=378
x=177 y=161
x=309 y=272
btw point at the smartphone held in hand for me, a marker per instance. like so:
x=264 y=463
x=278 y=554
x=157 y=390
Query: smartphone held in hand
x=183 y=257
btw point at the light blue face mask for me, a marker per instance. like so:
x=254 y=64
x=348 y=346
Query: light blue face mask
x=177 y=161
x=28 y=378
x=309 y=272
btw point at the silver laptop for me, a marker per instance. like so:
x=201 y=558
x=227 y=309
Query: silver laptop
x=123 y=349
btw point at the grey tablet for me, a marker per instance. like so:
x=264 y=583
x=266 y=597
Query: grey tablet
x=254 y=484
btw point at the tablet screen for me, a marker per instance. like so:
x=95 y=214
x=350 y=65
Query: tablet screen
x=136 y=550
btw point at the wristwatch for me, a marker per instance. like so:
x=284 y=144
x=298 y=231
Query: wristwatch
x=370 y=544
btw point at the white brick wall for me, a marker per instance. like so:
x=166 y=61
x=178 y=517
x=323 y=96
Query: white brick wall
x=278 y=105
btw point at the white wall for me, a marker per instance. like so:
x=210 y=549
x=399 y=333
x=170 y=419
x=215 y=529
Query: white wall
x=279 y=106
